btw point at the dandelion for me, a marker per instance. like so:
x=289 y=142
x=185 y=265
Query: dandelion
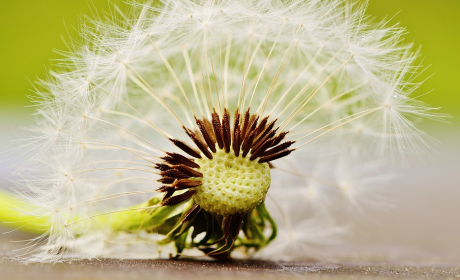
x=168 y=131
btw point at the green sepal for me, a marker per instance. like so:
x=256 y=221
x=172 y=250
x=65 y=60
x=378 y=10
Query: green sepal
x=181 y=241
x=263 y=212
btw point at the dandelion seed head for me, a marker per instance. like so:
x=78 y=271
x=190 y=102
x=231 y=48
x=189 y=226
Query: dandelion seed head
x=141 y=122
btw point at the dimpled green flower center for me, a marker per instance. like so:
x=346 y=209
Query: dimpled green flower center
x=231 y=185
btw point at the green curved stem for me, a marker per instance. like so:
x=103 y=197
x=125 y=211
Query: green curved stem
x=12 y=216
x=16 y=214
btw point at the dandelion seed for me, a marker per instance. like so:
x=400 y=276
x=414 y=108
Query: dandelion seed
x=215 y=106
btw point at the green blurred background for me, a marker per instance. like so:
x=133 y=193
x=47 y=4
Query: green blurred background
x=30 y=30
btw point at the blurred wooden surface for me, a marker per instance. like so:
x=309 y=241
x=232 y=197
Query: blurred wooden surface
x=362 y=266
x=237 y=269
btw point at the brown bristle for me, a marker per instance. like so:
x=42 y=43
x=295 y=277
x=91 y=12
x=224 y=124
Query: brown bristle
x=187 y=131
x=253 y=120
x=271 y=125
x=247 y=145
x=187 y=170
x=268 y=128
x=226 y=133
x=247 y=135
x=244 y=129
x=198 y=135
x=168 y=194
x=173 y=173
x=185 y=184
x=162 y=167
x=279 y=138
x=202 y=146
x=166 y=180
x=272 y=133
x=191 y=213
x=261 y=126
x=278 y=148
x=207 y=138
x=217 y=130
x=173 y=158
x=210 y=129
x=237 y=142
x=174 y=200
x=251 y=129
x=260 y=150
x=184 y=147
x=263 y=139
x=236 y=225
x=227 y=228
x=165 y=189
x=236 y=123
x=236 y=134
x=245 y=139
x=275 y=156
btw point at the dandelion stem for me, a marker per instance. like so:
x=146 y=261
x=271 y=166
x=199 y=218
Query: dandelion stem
x=112 y=212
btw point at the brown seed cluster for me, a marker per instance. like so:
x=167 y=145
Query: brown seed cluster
x=248 y=137
x=258 y=139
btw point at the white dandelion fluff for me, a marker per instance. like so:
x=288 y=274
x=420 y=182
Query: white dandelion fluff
x=166 y=129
